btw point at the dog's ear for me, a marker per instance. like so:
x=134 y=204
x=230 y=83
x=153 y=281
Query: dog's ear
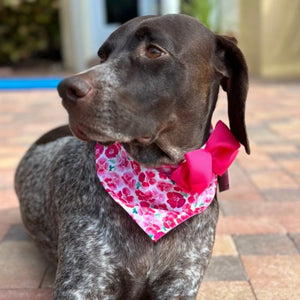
x=229 y=62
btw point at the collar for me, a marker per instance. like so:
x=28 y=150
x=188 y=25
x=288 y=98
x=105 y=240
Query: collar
x=159 y=199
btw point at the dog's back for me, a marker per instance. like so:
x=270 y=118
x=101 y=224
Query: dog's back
x=33 y=177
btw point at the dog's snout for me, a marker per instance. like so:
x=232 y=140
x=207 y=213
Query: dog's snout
x=73 y=89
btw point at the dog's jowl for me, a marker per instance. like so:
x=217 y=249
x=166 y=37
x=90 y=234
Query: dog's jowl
x=123 y=198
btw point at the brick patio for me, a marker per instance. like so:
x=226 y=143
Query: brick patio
x=257 y=249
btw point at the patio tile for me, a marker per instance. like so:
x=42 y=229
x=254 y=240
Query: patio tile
x=250 y=225
x=257 y=161
x=269 y=179
x=260 y=208
x=224 y=290
x=3 y=230
x=262 y=134
x=291 y=127
x=25 y=294
x=287 y=158
x=21 y=265
x=241 y=194
x=280 y=150
x=281 y=194
x=49 y=277
x=290 y=223
x=296 y=239
x=6 y=181
x=8 y=162
x=16 y=233
x=292 y=165
x=10 y=216
x=240 y=186
x=224 y=245
x=264 y=244
x=225 y=268
x=274 y=277
x=8 y=198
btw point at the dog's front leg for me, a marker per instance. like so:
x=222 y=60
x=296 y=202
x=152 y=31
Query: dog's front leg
x=85 y=268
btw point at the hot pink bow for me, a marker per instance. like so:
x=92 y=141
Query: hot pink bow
x=202 y=165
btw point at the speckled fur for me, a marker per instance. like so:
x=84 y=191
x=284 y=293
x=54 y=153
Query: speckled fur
x=100 y=251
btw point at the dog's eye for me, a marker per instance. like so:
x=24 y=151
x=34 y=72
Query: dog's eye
x=102 y=56
x=154 y=52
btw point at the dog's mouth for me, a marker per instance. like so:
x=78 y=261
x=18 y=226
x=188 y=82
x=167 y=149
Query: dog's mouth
x=152 y=149
x=78 y=131
x=86 y=134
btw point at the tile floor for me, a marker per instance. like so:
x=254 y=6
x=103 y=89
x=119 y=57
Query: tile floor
x=257 y=249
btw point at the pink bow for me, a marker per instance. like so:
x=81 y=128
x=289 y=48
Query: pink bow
x=202 y=165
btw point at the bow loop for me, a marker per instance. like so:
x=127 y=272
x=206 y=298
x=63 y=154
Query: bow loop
x=202 y=165
x=223 y=147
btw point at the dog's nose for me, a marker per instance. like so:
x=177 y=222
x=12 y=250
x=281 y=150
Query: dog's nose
x=73 y=89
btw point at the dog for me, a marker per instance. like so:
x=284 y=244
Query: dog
x=154 y=92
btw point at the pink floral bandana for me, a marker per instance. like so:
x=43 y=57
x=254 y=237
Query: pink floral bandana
x=159 y=199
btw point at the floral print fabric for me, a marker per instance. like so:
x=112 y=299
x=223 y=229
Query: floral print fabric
x=155 y=202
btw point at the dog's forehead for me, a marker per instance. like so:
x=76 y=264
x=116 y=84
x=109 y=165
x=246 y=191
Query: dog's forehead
x=176 y=25
x=177 y=29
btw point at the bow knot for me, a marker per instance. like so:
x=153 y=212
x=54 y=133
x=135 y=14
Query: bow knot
x=202 y=165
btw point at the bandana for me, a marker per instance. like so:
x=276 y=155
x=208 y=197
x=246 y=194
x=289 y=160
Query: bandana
x=159 y=199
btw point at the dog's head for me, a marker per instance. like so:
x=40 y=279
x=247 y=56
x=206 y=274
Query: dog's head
x=156 y=88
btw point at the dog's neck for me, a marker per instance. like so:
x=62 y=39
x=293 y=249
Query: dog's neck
x=150 y=155
x=164 y=152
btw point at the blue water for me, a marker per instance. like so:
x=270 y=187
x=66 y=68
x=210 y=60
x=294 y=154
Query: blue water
x=29 y=83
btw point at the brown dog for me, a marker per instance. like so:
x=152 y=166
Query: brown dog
x=154 y=91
